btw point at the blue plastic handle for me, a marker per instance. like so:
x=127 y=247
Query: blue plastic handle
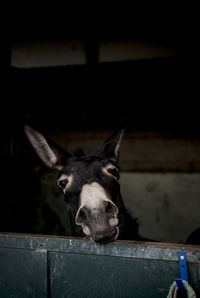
x=183 y=269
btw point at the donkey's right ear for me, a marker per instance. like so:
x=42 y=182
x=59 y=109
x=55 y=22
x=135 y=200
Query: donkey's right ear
x=50 y=153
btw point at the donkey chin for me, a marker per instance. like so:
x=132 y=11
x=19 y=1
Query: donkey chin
x=106 y=237
x=102 y=237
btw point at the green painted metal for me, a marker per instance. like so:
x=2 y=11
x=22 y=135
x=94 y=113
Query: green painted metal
x=23 y=273
x=39 y=266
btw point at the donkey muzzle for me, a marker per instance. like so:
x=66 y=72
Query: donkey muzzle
x=100 y=224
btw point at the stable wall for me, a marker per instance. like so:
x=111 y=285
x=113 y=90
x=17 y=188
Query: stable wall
x=167 y=205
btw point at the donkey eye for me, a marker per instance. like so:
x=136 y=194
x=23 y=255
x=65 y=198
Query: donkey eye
x=63 y=183
x=114 y=172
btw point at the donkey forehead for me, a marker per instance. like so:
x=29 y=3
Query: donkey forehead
x=85 y=164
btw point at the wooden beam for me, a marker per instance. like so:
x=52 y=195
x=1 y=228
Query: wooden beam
x=141 y=151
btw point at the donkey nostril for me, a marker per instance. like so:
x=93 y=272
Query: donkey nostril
x=109 y=207
x=82 y=214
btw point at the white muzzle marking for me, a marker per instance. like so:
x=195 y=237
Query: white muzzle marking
x=92 y=197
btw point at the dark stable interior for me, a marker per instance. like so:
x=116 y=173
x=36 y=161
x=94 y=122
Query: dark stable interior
x=156 y=94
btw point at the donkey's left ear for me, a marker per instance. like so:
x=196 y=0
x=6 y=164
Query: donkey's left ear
x=52 y=155
x=110 y=148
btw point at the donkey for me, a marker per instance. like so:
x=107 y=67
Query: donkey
x=90 y=184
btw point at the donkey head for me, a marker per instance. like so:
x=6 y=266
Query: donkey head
x=89 y=183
